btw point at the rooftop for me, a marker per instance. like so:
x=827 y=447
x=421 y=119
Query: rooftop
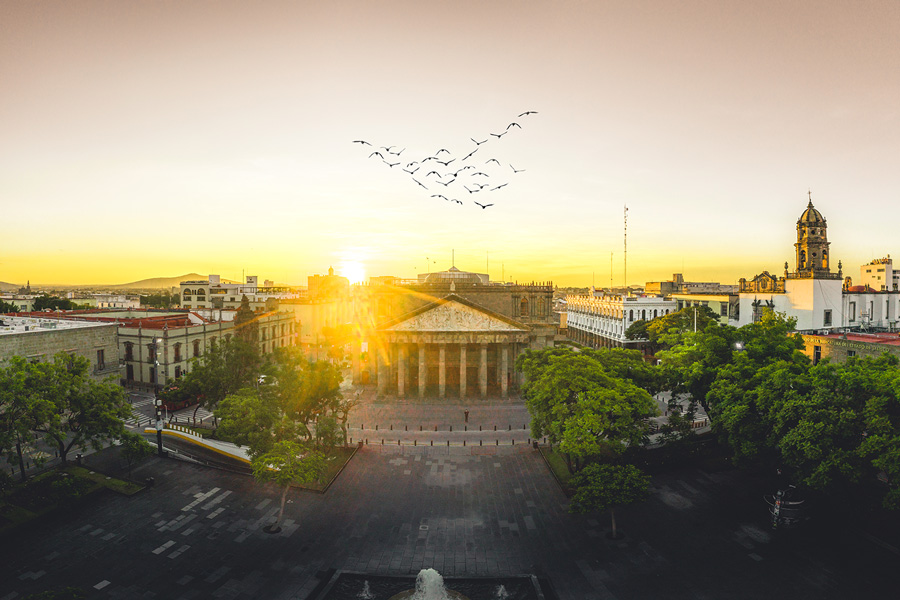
x=887 y=339
x=12 y=325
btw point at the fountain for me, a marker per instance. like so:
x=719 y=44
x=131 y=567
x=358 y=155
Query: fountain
x=428 y=585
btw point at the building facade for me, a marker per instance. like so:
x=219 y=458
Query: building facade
x=212 y=293
x=600 y=321
x=38 y=338
x=453 y=334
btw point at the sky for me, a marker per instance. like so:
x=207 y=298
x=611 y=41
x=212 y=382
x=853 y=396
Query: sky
x=158 y=138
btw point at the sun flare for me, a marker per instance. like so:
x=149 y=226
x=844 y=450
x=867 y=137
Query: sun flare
x=353 y=270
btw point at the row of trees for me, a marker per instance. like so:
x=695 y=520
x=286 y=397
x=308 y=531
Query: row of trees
x=59 y=403
x=287 y=410
x=830 y=427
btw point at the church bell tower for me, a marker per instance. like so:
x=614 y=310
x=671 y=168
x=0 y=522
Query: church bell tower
x=812 y=244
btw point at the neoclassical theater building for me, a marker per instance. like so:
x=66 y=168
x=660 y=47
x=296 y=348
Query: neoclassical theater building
x=448 y=334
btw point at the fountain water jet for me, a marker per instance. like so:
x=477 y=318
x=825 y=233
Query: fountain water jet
x=429 y=586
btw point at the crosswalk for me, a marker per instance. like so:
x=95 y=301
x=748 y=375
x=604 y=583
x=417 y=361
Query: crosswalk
x=143 y=412
x=141 y=408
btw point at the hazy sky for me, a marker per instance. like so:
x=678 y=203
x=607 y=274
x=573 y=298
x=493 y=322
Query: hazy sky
x=144 y=139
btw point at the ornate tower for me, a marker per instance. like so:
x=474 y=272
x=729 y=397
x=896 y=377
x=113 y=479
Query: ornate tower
x=812 y=245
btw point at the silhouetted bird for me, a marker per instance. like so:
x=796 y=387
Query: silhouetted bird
x=419 y=182
x=471 y=191
x=515 y=170
x=511 y=124
x=448 y=183
x=388 y=148
x=470 y=153
x=430 y=172
x=396 y=153
x=448 y=162
x=362 y=142
x=499 y=135
x=392 y=165
x=477 y=143
x=457 y=201
x=528 y=112
x=480 y=173
x=415 y=162
x=483 y=206
x=378 y=154
x=441 y=150
x=413 y=172
x=492 y=160
x=499 y=186
x=439 y=196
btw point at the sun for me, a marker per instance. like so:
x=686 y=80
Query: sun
x=353 y=270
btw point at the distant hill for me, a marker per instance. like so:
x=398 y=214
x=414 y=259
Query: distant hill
x=9 y=287
x=161 y=282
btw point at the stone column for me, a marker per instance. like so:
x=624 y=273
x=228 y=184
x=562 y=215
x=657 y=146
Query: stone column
x=504 y=368
x=382 y=368
x=442 y=370
x=482 y=372
x=423 y=370
x=462 y=371
x=401 y=370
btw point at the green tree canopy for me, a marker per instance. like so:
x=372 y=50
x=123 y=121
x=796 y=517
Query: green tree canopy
x=576 y=403
x=45 y=301
x=285 y=463
x=604 y=487
x=6 y=307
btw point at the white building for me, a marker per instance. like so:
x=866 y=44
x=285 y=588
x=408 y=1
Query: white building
x=601 y=320
x=212 y=293
x=880 y=275
x=816 y=297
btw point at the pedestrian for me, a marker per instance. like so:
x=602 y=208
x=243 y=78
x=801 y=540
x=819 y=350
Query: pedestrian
x=466 y=412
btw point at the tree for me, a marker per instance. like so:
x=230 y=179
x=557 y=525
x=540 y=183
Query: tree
x=575 y=402
x=288 y=462
x=16 y=387
x=6 y=307
x=160 y=300
x=45 y=301
x=602 y=487
x=70 y=409
x=134 y=449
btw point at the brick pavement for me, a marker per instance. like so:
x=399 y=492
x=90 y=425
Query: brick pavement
x=465 y=511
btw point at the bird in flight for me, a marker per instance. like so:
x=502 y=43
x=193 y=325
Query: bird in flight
x=515 y=170
x=471 y=191
x=499 y=135
x=483 y=206
x=429 y=158
x=413 y=172
x=481 y=186
x=362 y=142
x=457 y=201
x=378 y=154
x=392 y=165
x=470 y=153
x=528 y=112
x=439 y=196
x=415 y=162
x=448 y=183
x=480 y=173
x=396 y=153
x=492 y=159
x=430 y=172
x=499 y=186
x=448 y=162
x=419 y=182
x=438 y=153
x=477 y=143
x=513 y=123
x=387 y=148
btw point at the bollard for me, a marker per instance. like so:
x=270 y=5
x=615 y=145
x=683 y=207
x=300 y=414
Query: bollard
x=406 y=428
x=529 y=441
x=479 y=428
x=367 y=441
x=398 y=442
x=524 y=427
x=351 y=440
x=495 y=428
x=464 y=442
x=432 y=443
x=510 y=427
x=545 y=440
x=392 y=426
x=382 y=441
x=465 y=427
x=448 y=443
x=420 y=428
x=414 y=443
x=479 y=442
x=435 y=427
x=498 y=442
x=514 y=442
x=451 y=428
x=376 y=426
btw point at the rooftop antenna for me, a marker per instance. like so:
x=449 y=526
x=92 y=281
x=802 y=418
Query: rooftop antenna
x=625 y=276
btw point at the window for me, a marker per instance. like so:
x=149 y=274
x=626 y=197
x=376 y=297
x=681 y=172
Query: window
x=151 y=352
x=177 y=371
x=851 y=353
x=523 y=307
x=129 y=351
x=828 y=317
x=723 y=310
x=196 y=348
x=101 y=355
x=129 y=372
x=178 y=352
x=817 y=354
x=852 y=311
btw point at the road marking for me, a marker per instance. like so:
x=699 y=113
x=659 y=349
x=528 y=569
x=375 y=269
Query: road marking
x=164 y=547
x=101 y=585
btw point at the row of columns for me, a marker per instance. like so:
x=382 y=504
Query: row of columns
x=594 y=340
x=383 y=370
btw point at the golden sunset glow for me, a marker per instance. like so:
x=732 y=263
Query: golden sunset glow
x=172 y=138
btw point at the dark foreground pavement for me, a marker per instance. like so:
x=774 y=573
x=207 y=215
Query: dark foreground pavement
x=198 y=534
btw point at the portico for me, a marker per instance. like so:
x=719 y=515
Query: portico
x=449 y=348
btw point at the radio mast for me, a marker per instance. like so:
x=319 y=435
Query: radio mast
x=626 y=250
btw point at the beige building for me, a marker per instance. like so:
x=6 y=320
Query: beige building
x=39 y=337
x=451 y=334
x=213 y=293
x=601 y=320
x=839 y=347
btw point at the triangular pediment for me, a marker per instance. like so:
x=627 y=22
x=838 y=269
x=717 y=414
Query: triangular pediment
x=454 y=314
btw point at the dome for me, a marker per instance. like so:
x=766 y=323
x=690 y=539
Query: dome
x=453 y=275
x=811 y=215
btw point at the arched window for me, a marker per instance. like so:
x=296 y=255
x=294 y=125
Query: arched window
x=196 y=348
x=178 y=352
x=654 y=313
x=187 y=293
x=644 y=315
x=201 y=293
x=631 y=315
x=523 y=307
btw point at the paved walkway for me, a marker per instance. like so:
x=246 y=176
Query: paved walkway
x=474 y=511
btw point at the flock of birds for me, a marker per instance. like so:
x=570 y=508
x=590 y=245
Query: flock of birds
x=470 y=173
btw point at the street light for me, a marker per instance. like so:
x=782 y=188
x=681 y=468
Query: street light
x=157 y=402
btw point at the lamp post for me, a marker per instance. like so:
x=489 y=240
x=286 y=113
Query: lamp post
x=157 y=402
